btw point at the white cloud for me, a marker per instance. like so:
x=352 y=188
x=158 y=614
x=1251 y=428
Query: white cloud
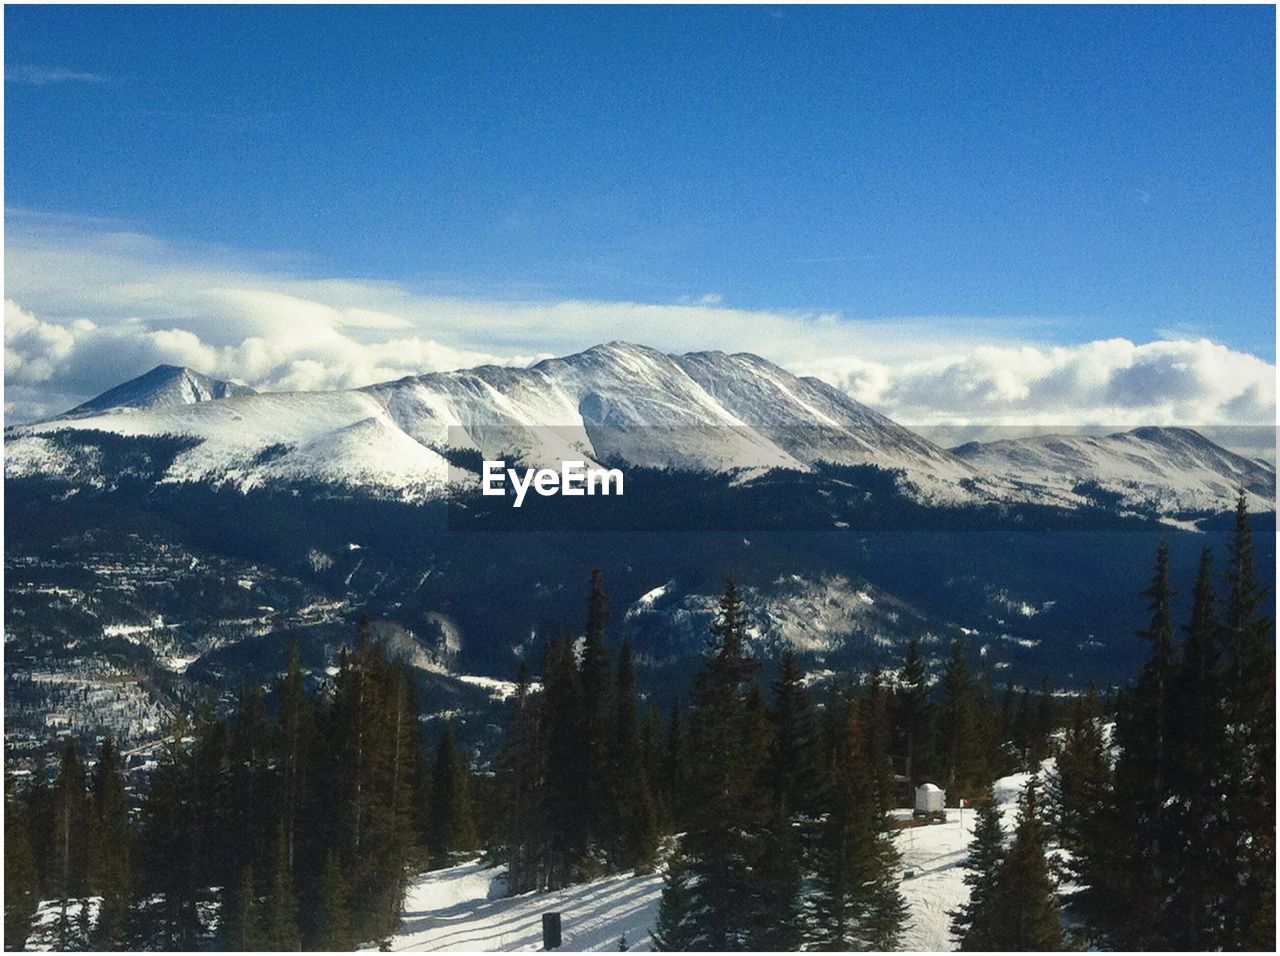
x=89 y=305
x=44 y=75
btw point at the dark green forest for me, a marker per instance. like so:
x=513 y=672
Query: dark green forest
x=297 y=819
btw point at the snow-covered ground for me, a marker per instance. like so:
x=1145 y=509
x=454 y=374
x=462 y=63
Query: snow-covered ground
x=462 y=908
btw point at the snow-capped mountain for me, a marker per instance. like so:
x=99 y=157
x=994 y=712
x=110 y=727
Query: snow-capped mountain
x=163 y=385
x=615 y=403
x=1164 y=470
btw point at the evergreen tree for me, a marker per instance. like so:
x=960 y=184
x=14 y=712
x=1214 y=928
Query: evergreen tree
x=280 y=917
x=973 y=923
x=565 y=800
x=72 y=822
x=522 y=764
x=960 y=728
x=1027 y=903
x=653 y=748
x=913 y=714
x=674 y=765
x=1143 y=772
x=170 y=831
x=727 y=805
x=676 y=930
x=295 y=746
x=335 y=930
x=635 y=839
x=856 y=902
x=21 y=876
x=240 y=931
x=794 y=759
x=111 y=856
x=1249 y=754
x=595 y=731
x=452 y=815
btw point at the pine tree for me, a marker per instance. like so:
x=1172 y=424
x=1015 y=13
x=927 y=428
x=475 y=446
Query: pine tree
x=295 y=747
x=774 y=918
x=111 y=857
x=240 y=931
x=674 y=780
x=676 y=930
x=596 y=730
x=170 y=829
x=727 y=805
x=452 y=814
x=856 y=902
x=565 y=800
x=1028 y=907
x=1249 y=754
x=335 y=931
x=635 y=840
x=1145 y=825
x=794 y=758
x=653 y=748
x=522 y=763
x=973 y=923
x=21 y=876
x=913 y=713
x=280 y=917
x=72 y=822
x=960 y=729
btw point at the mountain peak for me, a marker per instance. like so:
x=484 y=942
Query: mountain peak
x=162 y=385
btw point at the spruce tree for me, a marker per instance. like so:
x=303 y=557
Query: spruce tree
x=21 y=876
x=240 y=930
x=522 y=764
x=1249 y=754
x=334 y=931
x=453 y=828
x=634 y=842
x=676 y=930
x=1145 y=825
x=973 y=923
x=913 y=714
x=280 y=916
x=793 y=767
x=727 y=804
x=596 y=731
x=111 y=858
x=565 y=801
x=1027 y=902
x=856 y=902
x=72 y=823
x=960 y=730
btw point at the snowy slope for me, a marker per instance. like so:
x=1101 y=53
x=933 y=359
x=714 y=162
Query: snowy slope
x=462 y=908
x=613 y=402
x=1167 y=470
x=163 y=385
x=705 y=411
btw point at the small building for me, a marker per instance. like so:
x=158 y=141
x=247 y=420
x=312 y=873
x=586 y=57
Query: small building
x=930 y=800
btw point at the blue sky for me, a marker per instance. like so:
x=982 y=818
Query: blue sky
x=1053 y=176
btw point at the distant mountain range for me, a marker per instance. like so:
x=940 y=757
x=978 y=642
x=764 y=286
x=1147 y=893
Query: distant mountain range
x=619 y=403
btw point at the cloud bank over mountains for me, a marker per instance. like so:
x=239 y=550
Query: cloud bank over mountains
x=88 y=305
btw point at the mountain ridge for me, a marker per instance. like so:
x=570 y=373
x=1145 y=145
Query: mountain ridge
x=707 y=411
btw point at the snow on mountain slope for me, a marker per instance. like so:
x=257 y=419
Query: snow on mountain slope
x=343 y=438
x=1166 y=470
x=705 y=411
x=614 y=402
x=163 y=385
x=463 y=908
